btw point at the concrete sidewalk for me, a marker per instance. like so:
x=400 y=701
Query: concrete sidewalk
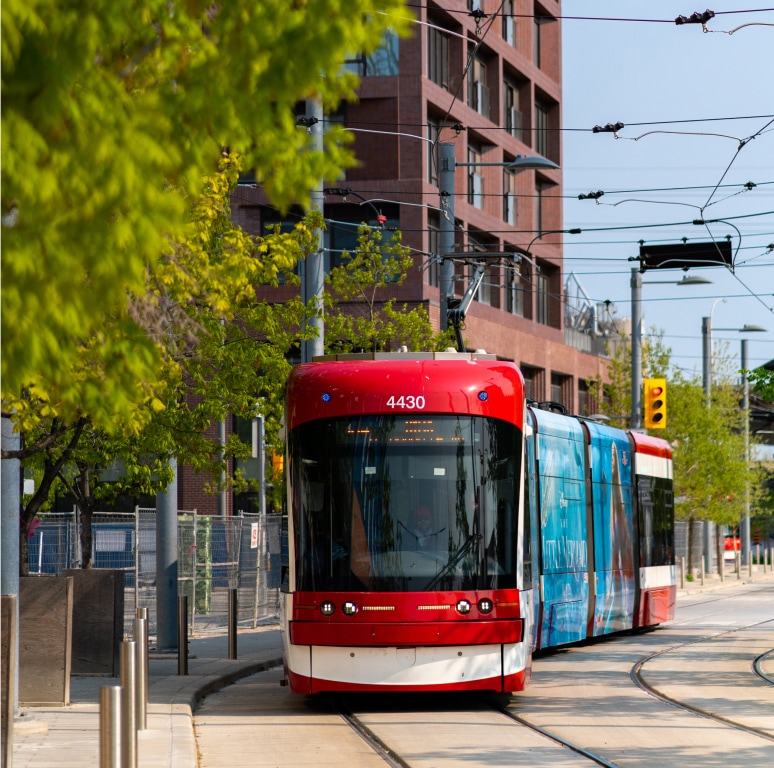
x=60 y=737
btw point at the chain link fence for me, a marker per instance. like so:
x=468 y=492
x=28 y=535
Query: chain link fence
x=215 y=554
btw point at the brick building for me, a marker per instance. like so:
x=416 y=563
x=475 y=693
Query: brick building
x=491 y=86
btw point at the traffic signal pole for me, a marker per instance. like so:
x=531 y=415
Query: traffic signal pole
x=636 y=285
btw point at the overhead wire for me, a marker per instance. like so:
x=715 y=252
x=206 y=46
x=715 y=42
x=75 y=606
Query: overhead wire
x=471 y=54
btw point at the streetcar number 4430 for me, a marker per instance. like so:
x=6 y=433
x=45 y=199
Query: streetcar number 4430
x=406 y=401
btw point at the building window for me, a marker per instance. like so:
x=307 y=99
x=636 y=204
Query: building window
x=487 y=289
x=542 y=114
x=438 y=55
x=475 y=179
x=540 y=190
x=434 y=247
x=587 y=403
x=513 y=118
x=478 y=91
x=509 y=23
x=514 y=290
x=561 y=390
x=534 y=382
x=271 y=223
x=383 y=61
x=434 y=134
x=542 y=297
x=509 y=198
x=536 y=40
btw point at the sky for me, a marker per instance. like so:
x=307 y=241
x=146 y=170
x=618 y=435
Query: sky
x=698 y=95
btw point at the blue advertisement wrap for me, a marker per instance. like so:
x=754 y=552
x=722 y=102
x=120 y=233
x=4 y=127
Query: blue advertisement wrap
x=611 y=477
x=563 y=535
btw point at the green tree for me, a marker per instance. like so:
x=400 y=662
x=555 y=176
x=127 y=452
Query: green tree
x=223 y=352
x=711 y=474
x=112 y=114
x=762 y=382
x=617 y=390
x=360 y=312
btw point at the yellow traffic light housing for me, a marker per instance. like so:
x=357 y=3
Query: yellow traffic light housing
x=655 y=403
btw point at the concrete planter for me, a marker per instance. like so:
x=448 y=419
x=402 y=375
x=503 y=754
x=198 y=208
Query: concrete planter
x=45 y=640
x=98 y=620
x=7 y=675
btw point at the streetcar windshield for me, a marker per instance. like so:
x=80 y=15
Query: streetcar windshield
x=405 y=503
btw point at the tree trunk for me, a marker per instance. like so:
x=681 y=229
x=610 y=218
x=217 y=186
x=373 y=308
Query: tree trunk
x=24 y=549
x=86 y=503
x=50 y=471
x=719 y=550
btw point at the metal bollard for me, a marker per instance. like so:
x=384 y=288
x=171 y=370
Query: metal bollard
x=140 y=633
x=702 y=570
x=182 y=634
x=142 y=613
x=738 y=563
x=128 y=704
x=110 y=726
x=232 y=624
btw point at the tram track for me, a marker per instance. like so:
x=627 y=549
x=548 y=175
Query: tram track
x=636 y=675
x=493 y=704
x=757 y=666
x=379 y=731
x=370 y=738
x=633 y=701
x=576 y=748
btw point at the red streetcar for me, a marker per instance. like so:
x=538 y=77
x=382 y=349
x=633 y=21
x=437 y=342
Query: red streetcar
x=413 y=562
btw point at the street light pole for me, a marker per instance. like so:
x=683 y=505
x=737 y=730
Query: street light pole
x=746 y=543
x=636 y=286
x=745 y=522
x=448 y=164
x=706 y=357
x=706 y=370
x=706 y=337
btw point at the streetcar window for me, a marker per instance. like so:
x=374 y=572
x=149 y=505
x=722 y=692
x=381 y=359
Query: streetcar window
x=392 y=503
x=656 y=518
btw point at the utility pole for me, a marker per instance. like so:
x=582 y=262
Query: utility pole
x=706 y=375
x=314 y=274
x=448 y=165
x=446 y=232
x=636 y=285
x=166 y=565
x=9 y=548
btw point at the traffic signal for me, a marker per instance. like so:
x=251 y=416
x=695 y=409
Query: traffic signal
x=655 y=403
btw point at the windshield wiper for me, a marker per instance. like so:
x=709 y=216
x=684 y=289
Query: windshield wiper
x=474 y=538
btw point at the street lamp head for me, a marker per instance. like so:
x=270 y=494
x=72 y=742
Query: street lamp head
x=523 y=163
x=746 y=328
x=694 y=280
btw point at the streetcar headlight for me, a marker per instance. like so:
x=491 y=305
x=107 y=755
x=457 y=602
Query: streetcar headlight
x=327 y=608
x=350 y=609
x=463 y=606
x=485 y=605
